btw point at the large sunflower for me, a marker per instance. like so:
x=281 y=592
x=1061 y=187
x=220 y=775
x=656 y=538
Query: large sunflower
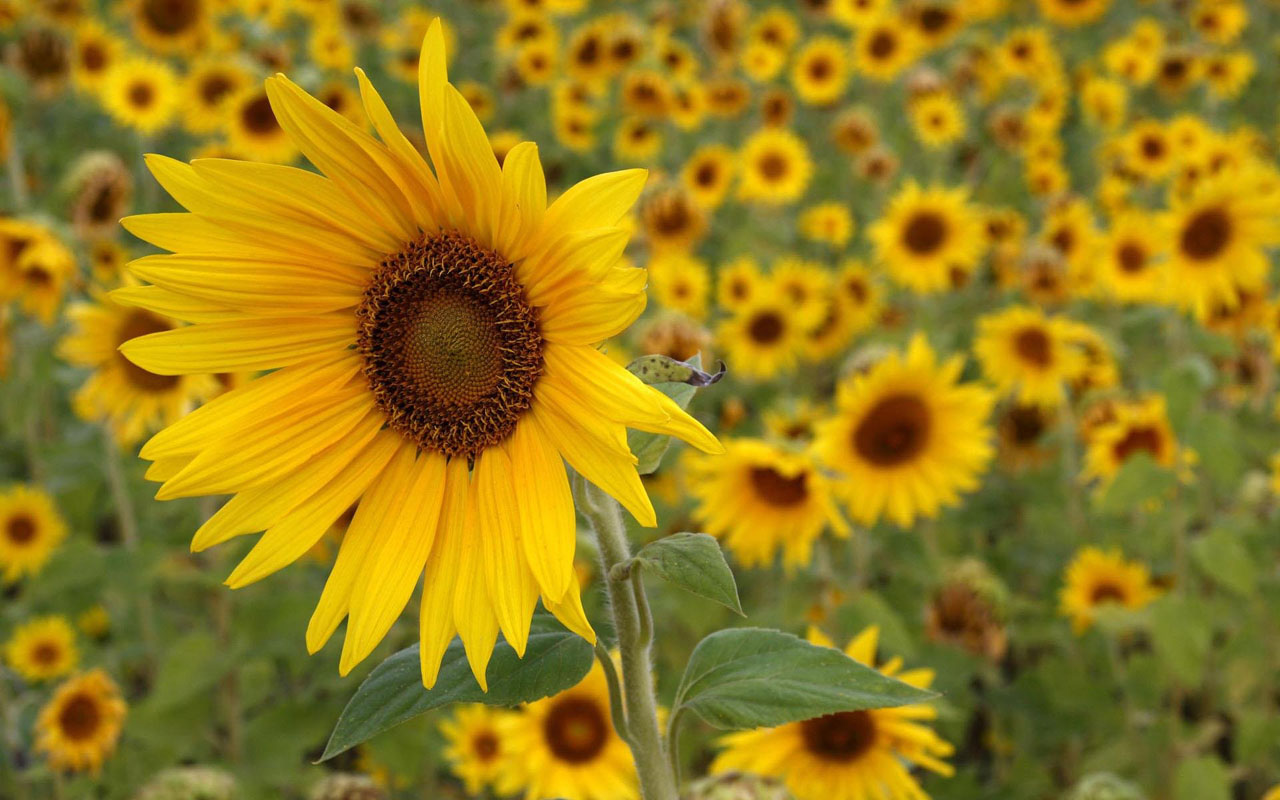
x=566 y=746
x=131 y=400
x=849 y=755
x=907 y=436
x=79 y=727
x=42 y=649
x=432 y=333
x=927 y=235
x=30 y=529
x=761 y=499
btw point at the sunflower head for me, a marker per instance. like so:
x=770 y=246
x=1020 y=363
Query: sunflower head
x=30 y=529
x=79 y=727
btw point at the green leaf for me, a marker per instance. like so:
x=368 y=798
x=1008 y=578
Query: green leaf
x=751 y=677
x=1181 y=632
x=555 y=660
x=1201 y=778
x=1223 y=557
x=693 y=562
x=1140 y=479
x=678 y=380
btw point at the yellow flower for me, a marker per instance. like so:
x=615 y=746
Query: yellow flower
x=169 y=27
x=763 y=337
x=1138 y=427
x=849 y=755
x=1131 y=264
x=565 y=746
x=432 y=334
x=681 y=282
x=253 y=129
x=94 y=51
x=738 y=282
x=1028 y=355
x=79 y=727
x=1096 y=579
x=937 y=119
x=831 y=223
x=775 y=167
x=1073 y=13
x=820 y=72
x=94 y=622
x=474 y=745
x=927 y=235
x=35 y=268
x=762 y=500
x=707 y=174
x=884 y=48
x=42 y=649
x=907 y=436
x=142 y=93
x=30 y=529
x=206 y=90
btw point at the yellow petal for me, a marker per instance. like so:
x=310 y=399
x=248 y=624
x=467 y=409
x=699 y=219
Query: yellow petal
x=440 y=579
x=585 y=256
x=569 y=611
x=511 y=588
x=472 y=609
x=427 y=202
x=468 y=172
x=269 y=288
x=242 y=345
x=600 y=201
x=169 y=303
x=524 y=182
x=587 y=314
x=548 y=525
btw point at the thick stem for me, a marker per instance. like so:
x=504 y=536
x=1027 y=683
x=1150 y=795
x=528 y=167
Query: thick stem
x=629 y=606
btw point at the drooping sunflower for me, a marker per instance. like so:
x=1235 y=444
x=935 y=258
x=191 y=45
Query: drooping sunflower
x=907 y=436
x=565 y=746
x=1097 y=578
x=764 y=500
x=30 y=529
x=80 y=725
x=141 y=93
x=849 y=755
x=132 y=401
x=762 y=339
x=927 y=234
x=1218 y=235
x=432 y=333
x=775 y=167
x=1136 y=427
x=474 y=745
x=1029 y=355
x=42 y=649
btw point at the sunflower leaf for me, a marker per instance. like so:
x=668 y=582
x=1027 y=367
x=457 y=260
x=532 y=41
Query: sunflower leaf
x=555 y=660
x=693 y=562
x=751 y=677
x=678 y=380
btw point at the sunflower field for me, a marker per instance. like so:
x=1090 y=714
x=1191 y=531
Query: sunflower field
x=639 y=399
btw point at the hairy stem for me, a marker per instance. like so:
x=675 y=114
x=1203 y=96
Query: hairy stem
x=630 y=620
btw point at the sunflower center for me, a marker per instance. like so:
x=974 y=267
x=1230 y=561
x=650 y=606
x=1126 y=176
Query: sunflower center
x=924 y=233
x=21 y=529
x=883 y=45
x=141 y=323
x=1033 y=346
x=1145 y=438
x=45 y=654
x=141 y=94
x=80 y=718
x=485 y=745
x=170 y=17
x=894 y=431
x=766 y=327
x=1026 y=424
x=214 y=88
x=576 y=730
x=93 y=57
x=777 y=489
x=1206 y=234
x=258 y=117
x=1106 y=592
x=840 y=737
x=934 y=19
x=773 y=166
x=451 y=348
x=1132 y=257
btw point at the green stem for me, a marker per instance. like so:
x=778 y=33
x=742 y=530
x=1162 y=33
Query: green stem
x=627 y=601
x=17 y=176
x=127 y=519
x=616 y=710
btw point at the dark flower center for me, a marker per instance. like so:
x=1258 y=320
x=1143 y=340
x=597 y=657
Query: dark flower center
x=1143 y=438
x=80 y=717
x=840 y=737
x=142 y=323
x=258 y=117
x=170 y=17
x=777 y=489
x=21 y=529
x=924 y=233
x=766 y=327
x=1033 y=346
x=576 y=729
x=1206 y=234
x=894 y=431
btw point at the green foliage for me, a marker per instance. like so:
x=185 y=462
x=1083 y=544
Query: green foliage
x=693 y=562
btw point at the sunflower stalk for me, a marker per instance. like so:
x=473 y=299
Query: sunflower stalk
x=630 y=607
x=127 y=519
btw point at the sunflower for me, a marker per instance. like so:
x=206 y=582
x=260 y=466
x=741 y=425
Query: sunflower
x=1073 y=13
x=101 y=190
x=1029 y=355
x=42 y=649
x=474 y=745
x=707 y=174
x=805 y=284
x=1227 y=73
x=1132 y=268
x=762 y=500
x=206 y=90
x=1218 y=235
x=131 y=400
x=884 y=48
x=937 y=119
x=252 y=127
x=672 y=220
x=142 y=93
x=907 y=436
x=79 y=727
x=1147 y=150
x=927 y=234
x=30 y=529
x=863 y=295
x=565 y=746
x=848 y=755
x=35 y=268
x=820 y=72
x=775 y=167
x=1096 y=579
x=432 y=334
x=741 y=280
x=94 y=51
x=637 y=140
x=763 y=337
x=1135 y=427
x=171 y=26
x=681 y=282
x=830 y=223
